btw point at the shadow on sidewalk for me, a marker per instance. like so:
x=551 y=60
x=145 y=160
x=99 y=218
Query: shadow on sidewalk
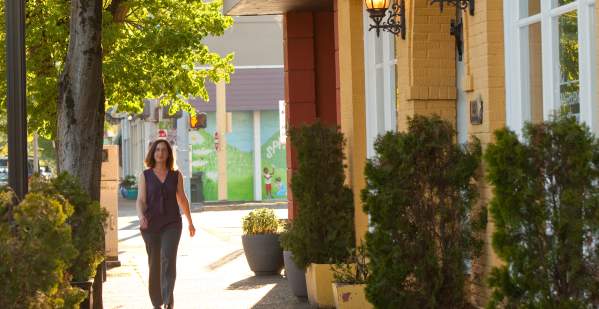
x=280 y=296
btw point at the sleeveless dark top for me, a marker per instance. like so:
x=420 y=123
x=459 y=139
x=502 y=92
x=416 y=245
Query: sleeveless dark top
x=161 y=198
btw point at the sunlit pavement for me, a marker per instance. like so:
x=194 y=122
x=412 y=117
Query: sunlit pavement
x=211 y=268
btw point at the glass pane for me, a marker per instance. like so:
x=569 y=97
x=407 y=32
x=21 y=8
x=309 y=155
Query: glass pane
x=569 y=85
x=529 y=8
x=534 y=74
x=557 y=3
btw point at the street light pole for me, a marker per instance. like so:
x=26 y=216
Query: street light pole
x=16 y=103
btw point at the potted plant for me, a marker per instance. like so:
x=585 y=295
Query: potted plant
x=425 y=232
x=87 y=227
x=322 y=233
x=296 y=275
x=260 y=241
x=129 y=187
x=350 y=281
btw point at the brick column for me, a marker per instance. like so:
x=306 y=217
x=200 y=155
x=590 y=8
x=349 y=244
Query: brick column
x=309 y=76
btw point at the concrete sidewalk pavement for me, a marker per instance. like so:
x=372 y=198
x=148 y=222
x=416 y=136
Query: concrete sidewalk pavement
x=211 y=268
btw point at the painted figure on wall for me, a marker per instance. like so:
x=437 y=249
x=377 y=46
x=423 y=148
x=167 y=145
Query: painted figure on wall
x=282 y=188
x=268 y=181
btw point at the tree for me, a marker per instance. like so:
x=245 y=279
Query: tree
x=546 y=214
x=84 y=56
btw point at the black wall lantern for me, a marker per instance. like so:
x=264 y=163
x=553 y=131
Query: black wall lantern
x=457 y=25
x=396 y=19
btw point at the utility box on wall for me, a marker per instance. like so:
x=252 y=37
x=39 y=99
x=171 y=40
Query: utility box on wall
x=109 y=199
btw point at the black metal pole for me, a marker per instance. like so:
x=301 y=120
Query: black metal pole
x=16 y=103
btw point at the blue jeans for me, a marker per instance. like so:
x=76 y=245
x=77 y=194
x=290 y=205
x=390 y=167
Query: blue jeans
x=162 y=261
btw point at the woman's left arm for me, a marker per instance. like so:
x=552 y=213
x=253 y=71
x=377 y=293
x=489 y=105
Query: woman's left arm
x=184 y=204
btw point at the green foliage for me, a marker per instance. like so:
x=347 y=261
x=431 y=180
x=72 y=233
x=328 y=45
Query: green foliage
x=87 y=223
x=151 y=48
x=546 y=214
x=355 y=269
x=129 y=182
x=420 y=195
x=323 y=231
x=261 y=221
x=35 y=251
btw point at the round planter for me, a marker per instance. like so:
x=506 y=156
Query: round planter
x=129 y=193
x=295 y=276
x=263 y=253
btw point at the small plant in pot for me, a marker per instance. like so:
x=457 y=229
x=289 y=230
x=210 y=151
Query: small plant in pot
x=350 y=281
x=129 y=187
x=261 y=242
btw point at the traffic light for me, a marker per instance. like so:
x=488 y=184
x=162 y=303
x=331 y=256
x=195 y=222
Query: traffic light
x=199 y=121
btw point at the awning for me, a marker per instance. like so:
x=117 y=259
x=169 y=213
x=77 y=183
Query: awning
x=273 y=7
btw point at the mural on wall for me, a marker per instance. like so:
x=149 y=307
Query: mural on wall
x=274 y=160
x=240 y=158
x=203 y=158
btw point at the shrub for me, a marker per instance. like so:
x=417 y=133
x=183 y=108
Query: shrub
x=323 y=231
x=260 y=221
x=546 y=214
x=87 y=223
x=420 y=193
x=35 y=251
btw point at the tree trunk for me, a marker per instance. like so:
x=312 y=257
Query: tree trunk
x=81 y=107
x=81 y=98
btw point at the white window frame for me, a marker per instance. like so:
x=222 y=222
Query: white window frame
x=388 y=63
x=516 y=56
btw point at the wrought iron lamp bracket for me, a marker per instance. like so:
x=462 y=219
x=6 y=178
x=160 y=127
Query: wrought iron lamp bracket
x=457 y=24
x=395 y=19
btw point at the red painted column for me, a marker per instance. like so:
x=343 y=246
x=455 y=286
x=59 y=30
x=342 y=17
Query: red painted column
x=310 y=77
x=300 y=87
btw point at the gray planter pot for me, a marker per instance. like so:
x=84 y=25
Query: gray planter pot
x=295 y=276
x=263 y=253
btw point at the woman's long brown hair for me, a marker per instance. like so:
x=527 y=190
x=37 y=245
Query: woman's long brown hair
x=151 y=162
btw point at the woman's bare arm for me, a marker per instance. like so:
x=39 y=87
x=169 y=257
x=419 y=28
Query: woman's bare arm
x=140 y=204
x=184 y=204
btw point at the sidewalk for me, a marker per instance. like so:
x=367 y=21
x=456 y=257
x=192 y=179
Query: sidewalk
x=211 y=269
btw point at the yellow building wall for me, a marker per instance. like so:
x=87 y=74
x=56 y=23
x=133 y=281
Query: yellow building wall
x=352 y=97
x=426 y=75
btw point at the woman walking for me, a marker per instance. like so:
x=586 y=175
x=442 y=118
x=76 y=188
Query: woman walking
x=160 y=196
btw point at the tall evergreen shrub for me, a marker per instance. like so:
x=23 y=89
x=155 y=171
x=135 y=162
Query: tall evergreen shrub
x=420 y=195
x=323 y=231
x=545 y=209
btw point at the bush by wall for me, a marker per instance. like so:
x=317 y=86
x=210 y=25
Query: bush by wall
x=35 y=251
x=420 y=195
x=323 y=231
x=546 y=213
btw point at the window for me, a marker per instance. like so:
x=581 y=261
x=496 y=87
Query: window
x=550 y=61
x=379 y=70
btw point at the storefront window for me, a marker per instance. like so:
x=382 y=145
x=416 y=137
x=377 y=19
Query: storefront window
x=379 y=71
x=550 y=60
x=569 y=82
x=529 y=8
